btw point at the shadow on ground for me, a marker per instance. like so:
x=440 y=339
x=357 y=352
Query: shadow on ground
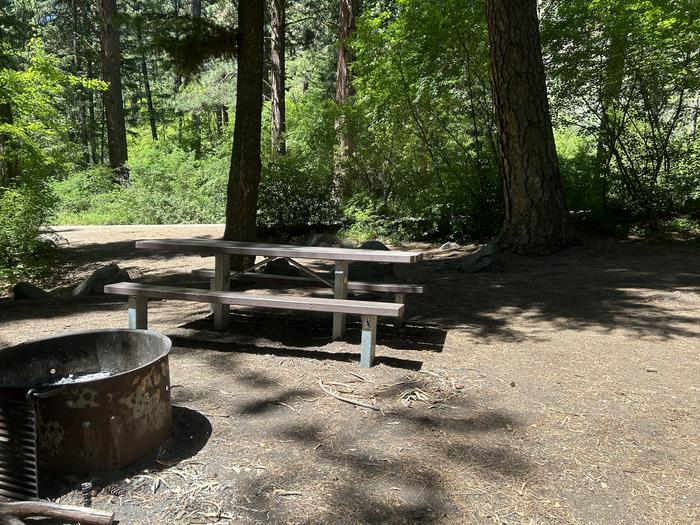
x=191 y=431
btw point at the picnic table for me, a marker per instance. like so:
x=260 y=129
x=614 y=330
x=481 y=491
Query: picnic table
x=221 y=275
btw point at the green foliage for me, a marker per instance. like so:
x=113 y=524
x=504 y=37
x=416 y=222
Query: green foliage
x=166 y=185
x=625 y=75
x=292 y=198
x=424 y=130
x=35 y=149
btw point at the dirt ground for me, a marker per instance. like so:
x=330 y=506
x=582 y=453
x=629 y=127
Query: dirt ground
x=557 y=390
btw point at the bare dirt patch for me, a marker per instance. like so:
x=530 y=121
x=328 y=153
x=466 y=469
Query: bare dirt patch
x=554 y=390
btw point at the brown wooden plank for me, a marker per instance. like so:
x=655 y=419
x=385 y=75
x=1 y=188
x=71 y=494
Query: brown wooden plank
x=355 y=286
x=314 y=304
x=211 y=246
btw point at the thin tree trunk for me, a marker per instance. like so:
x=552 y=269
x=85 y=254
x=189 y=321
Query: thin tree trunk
x=609 y=95
x=196 y=13
x=81 y=123
x=147 y=88
x=343 y=90
x=92 y=123
x=244 y=176
x=178 y=76
x=8 y=170
x=278 y=24
x=113 y=101
x=536 y=219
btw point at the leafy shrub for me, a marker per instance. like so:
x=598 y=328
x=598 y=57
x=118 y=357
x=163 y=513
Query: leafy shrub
x=292 y=198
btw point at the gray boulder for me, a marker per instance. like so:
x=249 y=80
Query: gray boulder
x=481 y=259
x=95 y=283
x=281 y=266
x=448 y=246
x=25 y=290
x=320 y=239
x=361 y=270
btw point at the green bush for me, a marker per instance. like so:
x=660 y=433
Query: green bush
x=291 y=198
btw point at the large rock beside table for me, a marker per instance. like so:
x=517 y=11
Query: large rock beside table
x=361 y=270
x=24 y=290
x=281 y=266
x=95 y=284
x=481 y=259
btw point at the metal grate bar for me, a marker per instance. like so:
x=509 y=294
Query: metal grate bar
x=18 y=464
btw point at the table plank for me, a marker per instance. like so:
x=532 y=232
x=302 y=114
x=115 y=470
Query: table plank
x=211 y=247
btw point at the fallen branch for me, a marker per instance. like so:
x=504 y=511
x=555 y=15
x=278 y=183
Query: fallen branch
x=330 y=392
x=48 y=509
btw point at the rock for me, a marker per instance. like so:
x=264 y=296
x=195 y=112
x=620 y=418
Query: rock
x=25 y=290
x=320 y=239
x=94 y=284
x=281 y=266
x=361 y=270
x=479 y=260
x=374 y=245
x=449 y=246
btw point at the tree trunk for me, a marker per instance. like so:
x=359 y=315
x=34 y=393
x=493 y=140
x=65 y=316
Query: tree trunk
x=147 y=87
x=8 y=170
x=244 y=175
x=81 y=124
x=113 y=101
x=343 y=89
x=278 y=24
x=196 y=13
x=92 y=123
x=610 y=89
x=536 y=220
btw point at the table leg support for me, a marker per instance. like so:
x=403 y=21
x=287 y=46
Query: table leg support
x=221 y=282
x=138 y=313
x=341 y=292
x=399 y=298
x=369 y=340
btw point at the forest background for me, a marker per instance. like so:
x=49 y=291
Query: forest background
x=407 y=150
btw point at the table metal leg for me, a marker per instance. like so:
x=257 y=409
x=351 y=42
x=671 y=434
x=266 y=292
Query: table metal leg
x=221 y=282
x=341 y=292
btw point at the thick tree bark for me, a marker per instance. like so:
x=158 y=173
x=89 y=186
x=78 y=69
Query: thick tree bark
x=343 y=88
x=536 y=220
x=113 y=101
x=278 y=24
x=244 y=176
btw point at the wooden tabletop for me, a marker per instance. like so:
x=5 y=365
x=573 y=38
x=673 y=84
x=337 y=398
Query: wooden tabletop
x=211 y=247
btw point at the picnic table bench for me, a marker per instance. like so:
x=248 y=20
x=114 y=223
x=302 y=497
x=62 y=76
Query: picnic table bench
x=220 y=296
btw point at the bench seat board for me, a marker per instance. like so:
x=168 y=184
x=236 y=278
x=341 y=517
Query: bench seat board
x=211 y=247
x=354 y=286
x=314 y=304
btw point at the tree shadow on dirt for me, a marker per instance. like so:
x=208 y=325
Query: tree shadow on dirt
x=644 y=290
x=190 y=433
x=371 y=481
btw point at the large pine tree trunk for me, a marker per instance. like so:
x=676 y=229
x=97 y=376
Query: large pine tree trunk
x=113 y=101
x=278 y=24
x=343 y=89
x=536 y=219
x=244 y=176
